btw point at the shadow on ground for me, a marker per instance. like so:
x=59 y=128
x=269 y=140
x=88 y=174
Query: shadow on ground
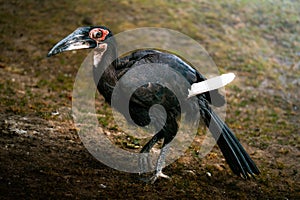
x=41 y=153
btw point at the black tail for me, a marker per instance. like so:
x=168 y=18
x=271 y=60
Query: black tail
x=236 y=156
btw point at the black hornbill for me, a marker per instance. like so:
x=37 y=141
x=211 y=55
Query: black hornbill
x=105 y=51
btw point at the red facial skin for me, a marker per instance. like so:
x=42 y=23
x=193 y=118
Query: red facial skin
x=96 y=30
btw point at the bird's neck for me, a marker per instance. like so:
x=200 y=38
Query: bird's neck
x=105 y=61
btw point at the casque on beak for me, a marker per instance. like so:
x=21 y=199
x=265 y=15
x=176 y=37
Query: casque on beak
x=79 y=39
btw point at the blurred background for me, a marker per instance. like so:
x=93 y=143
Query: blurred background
x=41 y=154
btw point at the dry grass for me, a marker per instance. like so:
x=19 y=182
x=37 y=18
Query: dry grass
x=257 y=40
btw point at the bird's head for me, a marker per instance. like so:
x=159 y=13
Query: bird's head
x=82 y=38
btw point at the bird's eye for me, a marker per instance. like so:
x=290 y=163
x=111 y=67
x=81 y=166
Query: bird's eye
x=98 y=34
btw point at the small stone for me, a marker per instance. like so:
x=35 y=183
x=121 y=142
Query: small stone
x=55 y=113
x=208 y=174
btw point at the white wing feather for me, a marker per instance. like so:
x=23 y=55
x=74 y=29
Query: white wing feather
x=210 y=84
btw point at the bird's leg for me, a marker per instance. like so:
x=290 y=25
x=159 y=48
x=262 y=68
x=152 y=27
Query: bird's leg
x=144 y=161
x=160 y=164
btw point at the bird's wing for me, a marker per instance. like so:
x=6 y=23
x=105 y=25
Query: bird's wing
x=155 y=92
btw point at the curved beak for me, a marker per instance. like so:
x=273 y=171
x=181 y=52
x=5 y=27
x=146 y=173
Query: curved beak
x=79 y=39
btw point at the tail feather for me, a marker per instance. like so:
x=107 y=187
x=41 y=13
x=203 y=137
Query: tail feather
x=236 y=156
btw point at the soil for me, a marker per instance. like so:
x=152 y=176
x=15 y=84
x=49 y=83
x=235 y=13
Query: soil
x=42 y=156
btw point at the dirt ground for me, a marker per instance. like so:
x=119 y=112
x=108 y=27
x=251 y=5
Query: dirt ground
x=42 y=156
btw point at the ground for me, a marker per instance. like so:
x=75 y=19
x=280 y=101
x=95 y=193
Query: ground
x=41 y=153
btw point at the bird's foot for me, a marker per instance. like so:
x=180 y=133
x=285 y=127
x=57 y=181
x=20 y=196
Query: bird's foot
x=157 y=175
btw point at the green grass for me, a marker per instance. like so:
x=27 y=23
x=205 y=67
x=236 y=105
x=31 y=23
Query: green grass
x=257 y=40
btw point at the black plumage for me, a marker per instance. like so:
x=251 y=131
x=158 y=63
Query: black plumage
x=105 y=54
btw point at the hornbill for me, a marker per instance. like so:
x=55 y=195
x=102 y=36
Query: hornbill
x=105 y=53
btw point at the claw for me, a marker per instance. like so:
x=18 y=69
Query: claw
x=157 y=175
